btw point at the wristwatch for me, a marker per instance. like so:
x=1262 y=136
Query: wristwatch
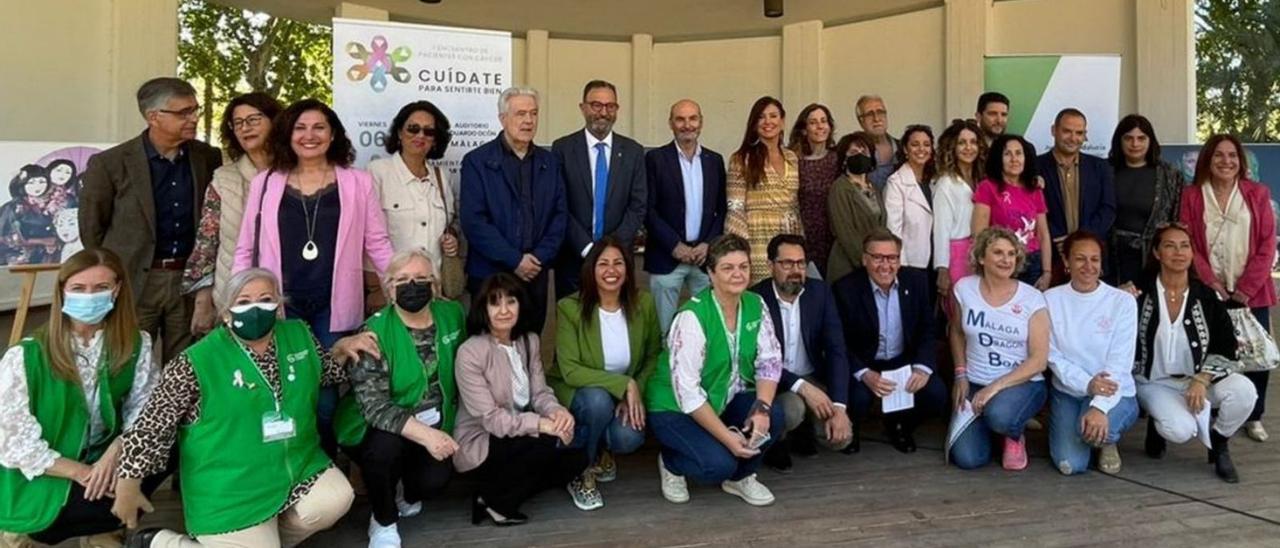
x=761 y=406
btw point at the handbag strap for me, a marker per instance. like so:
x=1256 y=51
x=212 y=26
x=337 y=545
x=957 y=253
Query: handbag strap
x=443 y=202
x=257 y=217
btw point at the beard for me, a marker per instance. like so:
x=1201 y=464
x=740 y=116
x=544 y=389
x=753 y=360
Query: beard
x=791 y=286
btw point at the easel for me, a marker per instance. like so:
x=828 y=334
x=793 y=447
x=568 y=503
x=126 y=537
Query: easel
x=29 y=273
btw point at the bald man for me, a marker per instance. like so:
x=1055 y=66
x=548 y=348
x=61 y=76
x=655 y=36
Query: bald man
x=686 y=210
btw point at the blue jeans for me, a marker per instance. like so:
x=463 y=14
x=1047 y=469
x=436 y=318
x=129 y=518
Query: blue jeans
x=314 y=309
x=666 y=291
x=1006 y=414
x=593 y=412
x=1067 y=448
x=690 y=451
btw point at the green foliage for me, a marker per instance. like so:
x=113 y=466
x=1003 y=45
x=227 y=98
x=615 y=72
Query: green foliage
x=1238 y=68
x=227 y=51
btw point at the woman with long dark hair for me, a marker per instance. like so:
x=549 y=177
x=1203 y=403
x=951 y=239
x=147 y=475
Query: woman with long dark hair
x=813 y=140
x=960 y=158
x=1148 y=193
x=763 y=184
x=907 y=201
x=1011 y=197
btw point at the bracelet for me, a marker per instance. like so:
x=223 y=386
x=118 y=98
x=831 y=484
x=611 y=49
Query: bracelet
x=1197 y=379
x=760 y=405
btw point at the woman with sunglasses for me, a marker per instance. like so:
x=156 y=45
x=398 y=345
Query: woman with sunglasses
x=419 y=200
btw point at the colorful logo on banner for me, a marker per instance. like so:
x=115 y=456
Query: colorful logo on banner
x=376 y=63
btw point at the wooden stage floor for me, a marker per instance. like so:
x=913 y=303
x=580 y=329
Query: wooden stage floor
x=881 y=497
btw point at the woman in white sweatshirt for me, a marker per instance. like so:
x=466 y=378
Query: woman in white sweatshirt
x=1093 y=333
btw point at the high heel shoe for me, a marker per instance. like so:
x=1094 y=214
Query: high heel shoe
x=480 y=511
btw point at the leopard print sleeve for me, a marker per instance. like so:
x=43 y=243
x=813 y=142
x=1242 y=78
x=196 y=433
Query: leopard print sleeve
x=175 y=402
x=333 y=368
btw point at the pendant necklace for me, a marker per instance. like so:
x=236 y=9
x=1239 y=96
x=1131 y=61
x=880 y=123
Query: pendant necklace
x=310 y=250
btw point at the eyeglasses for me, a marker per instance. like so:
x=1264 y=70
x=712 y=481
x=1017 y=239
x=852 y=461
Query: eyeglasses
x=597 y=106
x=250 y=121
x=878 y=113
x=877 y=258
x=791 y=265
x=189 y=112
x=414 y=129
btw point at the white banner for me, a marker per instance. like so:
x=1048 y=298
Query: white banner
x=379 y=67
x=1041 y=85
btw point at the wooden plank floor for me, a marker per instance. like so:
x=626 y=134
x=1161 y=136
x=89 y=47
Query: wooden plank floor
x=881 y=497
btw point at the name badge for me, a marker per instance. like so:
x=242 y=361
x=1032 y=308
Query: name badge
x=277 y=426
x=429 y=417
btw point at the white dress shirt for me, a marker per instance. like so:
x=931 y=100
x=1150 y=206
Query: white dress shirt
x=691 y=173
x=795 y=357
x=952 y=216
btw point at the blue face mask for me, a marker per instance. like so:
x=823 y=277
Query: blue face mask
x=88 y=308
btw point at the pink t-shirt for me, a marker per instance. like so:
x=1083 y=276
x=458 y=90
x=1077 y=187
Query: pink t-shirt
x=1014 y=208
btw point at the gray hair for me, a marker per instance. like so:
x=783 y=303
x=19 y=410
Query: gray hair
x=402 y=258
x=156 y=92
x=863 y=100
x=226 y=295
x=513 y=92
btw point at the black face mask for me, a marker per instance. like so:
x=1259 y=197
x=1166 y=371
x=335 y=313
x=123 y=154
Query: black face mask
x=860 y=164
x=413 y=296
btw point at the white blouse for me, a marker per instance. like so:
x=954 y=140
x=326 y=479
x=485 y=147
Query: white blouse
x=909 y=216
x=616 y=340
x=952 y=216
x=1227 y=234
x=413 y=207
x=519 y=378
x=688 y=346
x=1172 y=353
x=21 y=444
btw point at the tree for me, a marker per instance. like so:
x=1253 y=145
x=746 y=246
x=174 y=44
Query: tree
x=1238 y=68
x=226 y=51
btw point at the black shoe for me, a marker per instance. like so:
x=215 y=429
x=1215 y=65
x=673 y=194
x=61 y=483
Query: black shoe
x=900 y=438
x=855 y=444
x=142 y=538
x=802 y=440
x=481 y=512
x=1220 y=456
x=778 y=457
x=1155 y=445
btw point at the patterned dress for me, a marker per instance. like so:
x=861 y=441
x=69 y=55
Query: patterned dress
x=816 y=178
x=758 y=214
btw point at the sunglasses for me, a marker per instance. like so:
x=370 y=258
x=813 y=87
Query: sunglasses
x=414 y=129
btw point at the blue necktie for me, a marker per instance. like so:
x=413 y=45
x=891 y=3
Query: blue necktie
x=602 y=187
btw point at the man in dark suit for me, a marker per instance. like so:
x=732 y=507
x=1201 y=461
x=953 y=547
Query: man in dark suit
x=686 y=210
x=1079 y=189
x=888 y=323
x=142 y=199
x=604 y=183
x=512 y=203
x=815 y=373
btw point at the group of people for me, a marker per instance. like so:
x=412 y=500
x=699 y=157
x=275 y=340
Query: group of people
x=820 y=275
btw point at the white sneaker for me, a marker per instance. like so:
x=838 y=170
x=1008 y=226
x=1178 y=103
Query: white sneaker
x=750 y=490
x=406 y=510
x=674 y=488
x=383 y=536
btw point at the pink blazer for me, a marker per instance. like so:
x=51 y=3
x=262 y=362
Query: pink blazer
x=362 y=229
x=1255 y=282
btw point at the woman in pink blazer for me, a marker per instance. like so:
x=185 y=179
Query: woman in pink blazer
x=311 y=220
x=1233 y=233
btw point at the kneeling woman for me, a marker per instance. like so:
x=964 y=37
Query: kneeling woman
x=68 y=391
x=1000 y=345
x=396 y=421
x=607 y=342
x=513 y=435
x=1186 y=343
x=242 y=405
x=711 y=398
x=1091 y=345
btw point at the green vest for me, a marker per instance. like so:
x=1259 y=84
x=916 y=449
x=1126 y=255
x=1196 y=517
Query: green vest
x=62 y=410
x=409 y=374
x=660 y=396
x=231 y=478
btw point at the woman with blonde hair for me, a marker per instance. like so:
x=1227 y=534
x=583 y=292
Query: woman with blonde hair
x=66 y=394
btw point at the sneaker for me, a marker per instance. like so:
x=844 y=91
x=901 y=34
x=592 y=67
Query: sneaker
x=1255 y=431
x=1015 y=454
x=674 y=488
x=383 y=536
x=584 y=493
x=750 y=490
x=1109 y=459
x=1034 y=424
x=606 y=468
x=406 y=510
x=113 y=539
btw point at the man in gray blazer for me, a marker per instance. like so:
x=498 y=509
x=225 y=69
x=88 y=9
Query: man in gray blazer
x=603 y=198
x=142 y=200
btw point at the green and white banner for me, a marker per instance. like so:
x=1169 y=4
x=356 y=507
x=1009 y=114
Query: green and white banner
x=1039 y=86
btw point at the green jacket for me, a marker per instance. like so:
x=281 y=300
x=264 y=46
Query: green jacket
x=580 y=354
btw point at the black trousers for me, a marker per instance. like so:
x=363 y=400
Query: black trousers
x=538 y=295
x=930 y=401
x=387 y=459
x=81 y=518
x=519 y=468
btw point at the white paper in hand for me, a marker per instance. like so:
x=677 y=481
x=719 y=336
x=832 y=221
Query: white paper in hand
x=899 y=399
x=960 y=420
x=1202 y=425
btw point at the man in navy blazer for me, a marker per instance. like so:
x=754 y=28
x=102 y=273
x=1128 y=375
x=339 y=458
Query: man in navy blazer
x=815 y=373
x=1079 y=189
x=888 y=323
x=512 y=203
x=620 y=212
x=686 y=210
